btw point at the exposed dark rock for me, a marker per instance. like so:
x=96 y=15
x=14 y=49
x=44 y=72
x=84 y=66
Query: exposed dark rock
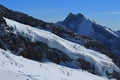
x=87 y=66
x=20 y=17
x=57 y=56
x=97 y=46
x=32 y=52
x=2 y=21
x=73 y=18
x=115 y=75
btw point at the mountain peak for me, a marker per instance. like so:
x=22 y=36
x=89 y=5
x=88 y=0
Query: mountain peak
x=73 y=17
x=76 y=15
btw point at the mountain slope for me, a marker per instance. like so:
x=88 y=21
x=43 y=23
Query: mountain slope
x=81 y=25
x=101 y=62
x=20 y=68
x=49 y=43
x=62 y=32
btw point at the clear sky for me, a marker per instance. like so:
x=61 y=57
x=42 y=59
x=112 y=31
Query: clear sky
x=104 y=12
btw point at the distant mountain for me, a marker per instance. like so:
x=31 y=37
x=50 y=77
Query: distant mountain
x=63 y=51
x=81 y=25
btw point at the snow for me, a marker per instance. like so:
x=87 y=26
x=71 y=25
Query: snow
x=14 y=67
x=101 y=61
x=111 y=31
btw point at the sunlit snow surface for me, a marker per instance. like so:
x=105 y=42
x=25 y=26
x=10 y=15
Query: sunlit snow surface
x=18 y=68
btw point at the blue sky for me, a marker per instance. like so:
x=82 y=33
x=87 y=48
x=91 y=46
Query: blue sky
x=104 y=12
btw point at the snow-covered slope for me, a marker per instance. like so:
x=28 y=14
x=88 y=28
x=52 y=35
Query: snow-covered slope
x=18 y=68
x=101 y=62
